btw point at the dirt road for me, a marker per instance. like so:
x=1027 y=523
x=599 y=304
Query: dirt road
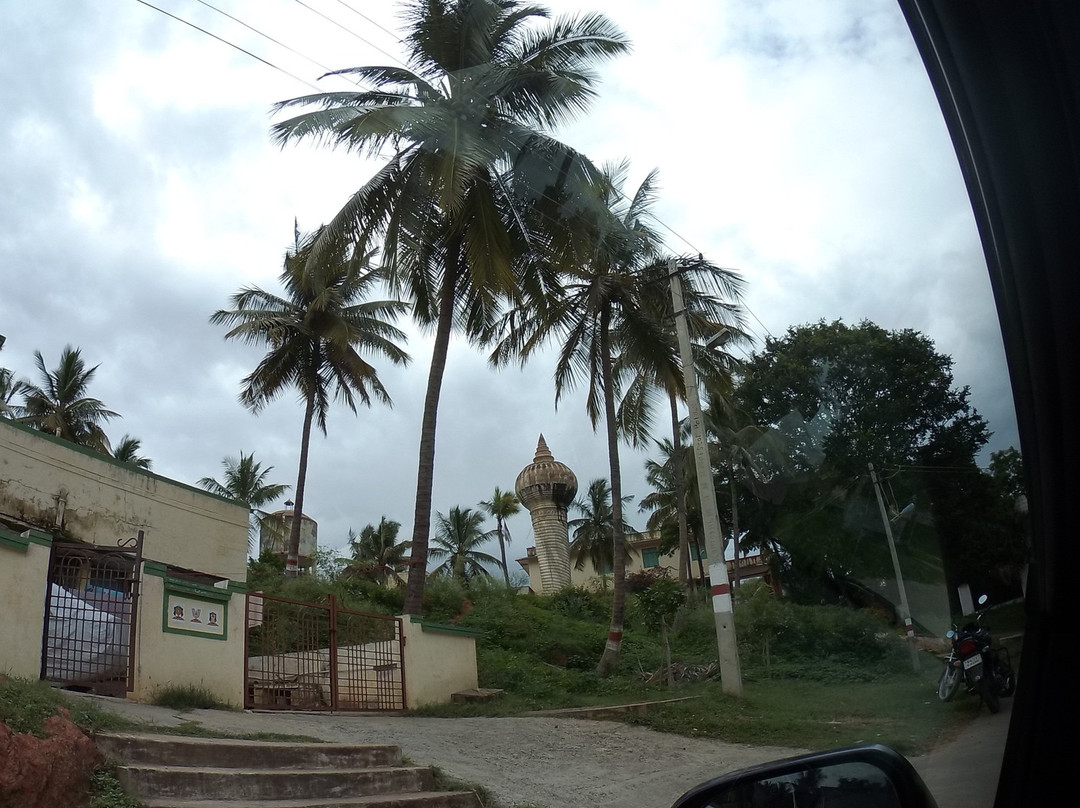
x=554 y=762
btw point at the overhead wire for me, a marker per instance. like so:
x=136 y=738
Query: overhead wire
x=328 y=70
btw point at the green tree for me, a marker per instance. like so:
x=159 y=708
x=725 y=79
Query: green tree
x=456 y=539
x=503 y=504
x=591 y=532
x=838 y=397
x=127 y=451
x=314 y=334
x=471 y=174
x=245 y=480
x=10 y=387
x=376 y=553
x=60 y=406
x=659 y=603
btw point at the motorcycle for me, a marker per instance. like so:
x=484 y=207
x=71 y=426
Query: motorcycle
x=973 y=659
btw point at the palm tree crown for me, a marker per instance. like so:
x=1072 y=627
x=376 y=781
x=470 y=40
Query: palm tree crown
x=471 y=172
x=245 y=481
x=376 y=554
x=456 y=538
x=502 y=505
x=127 y=451
x=592 y=530
x=313 y=333
x=60 y=405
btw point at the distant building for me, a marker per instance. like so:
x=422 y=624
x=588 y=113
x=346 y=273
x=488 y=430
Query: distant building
x=644 y=554
x=547 y=487
x=274 y=531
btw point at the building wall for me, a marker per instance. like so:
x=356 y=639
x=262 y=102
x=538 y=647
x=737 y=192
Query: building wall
x=439 y=661
x=24 y=566
x=50 y=482
x=167 y=657
x=93 y=498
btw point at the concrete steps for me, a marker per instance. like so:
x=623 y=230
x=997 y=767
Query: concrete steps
x=181 y=772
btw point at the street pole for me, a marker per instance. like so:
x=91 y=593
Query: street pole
x=723 y=613
x=905 y=610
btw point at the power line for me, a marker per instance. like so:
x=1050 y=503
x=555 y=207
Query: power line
x=328 y=70
x=230 y=44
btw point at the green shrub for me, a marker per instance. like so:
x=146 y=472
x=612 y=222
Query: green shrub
x=578 y=602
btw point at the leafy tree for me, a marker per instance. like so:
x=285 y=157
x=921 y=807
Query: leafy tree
x=60 y=406
x=838 y=397
x=591 y=532
x=245 y=480
x=127 y=451
x=673 y=504
x=376 y=553
x=474 y=185
x=313 y=334
x=502 y=505
x=659 y=603
x=456 y=539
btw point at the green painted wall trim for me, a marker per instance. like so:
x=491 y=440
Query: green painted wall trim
x=155 y=568
x=238 y=587
x=21 y=541
x=201 y=591
x=442 y=628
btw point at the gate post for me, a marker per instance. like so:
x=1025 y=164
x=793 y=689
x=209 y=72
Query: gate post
x=333 y=653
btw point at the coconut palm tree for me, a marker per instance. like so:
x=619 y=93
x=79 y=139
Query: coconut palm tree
x=502 y=505
x=376 y=553
x=591 y=536
x=313 y=333
x=10 y=386
x=471 y=171
x=604 y=319
x=60 y=405
x=127 y=451
x=456 y=538
x=245 y=481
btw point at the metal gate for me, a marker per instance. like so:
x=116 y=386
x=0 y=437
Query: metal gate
x=91 y=606
x=318 y=656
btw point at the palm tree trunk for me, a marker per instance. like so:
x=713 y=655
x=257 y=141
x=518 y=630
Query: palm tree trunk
x=414 y=589
x=502 y=549
x=613 y=647
x=292 y=557
x=686 y=578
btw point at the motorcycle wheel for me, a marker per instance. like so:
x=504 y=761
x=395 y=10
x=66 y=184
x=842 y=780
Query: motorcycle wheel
x=1008 y=681
x=948 y=683
x=989 y=693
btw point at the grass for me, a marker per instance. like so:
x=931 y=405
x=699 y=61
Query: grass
x=188 y=697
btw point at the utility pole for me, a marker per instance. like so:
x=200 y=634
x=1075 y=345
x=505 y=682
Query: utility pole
x=905 y=610
x=723 y=613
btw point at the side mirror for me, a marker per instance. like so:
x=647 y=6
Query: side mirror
x=871 y=776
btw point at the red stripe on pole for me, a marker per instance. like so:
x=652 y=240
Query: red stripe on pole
x=721 y=589
x=615 y=636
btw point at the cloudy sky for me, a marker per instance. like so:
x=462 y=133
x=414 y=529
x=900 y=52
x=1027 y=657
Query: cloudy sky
x=797 y=141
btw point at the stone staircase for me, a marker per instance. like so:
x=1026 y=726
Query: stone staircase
x=164 y=771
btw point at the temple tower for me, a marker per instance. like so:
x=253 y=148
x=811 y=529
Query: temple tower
x=546 y=488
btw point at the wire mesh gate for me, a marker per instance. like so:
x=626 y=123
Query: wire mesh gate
x=91 y=605
x=318 y=656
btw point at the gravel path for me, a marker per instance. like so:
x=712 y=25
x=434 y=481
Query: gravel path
x=555 y=762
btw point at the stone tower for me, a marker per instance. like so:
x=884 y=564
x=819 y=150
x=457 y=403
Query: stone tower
x=546 y=488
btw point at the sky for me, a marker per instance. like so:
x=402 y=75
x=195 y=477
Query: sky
x=797 y=141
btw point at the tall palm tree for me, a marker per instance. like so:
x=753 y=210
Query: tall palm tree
x=604 y=318
x=60 y=405
x=672 y=510
x=313 y=333
x=127 y=451
x=456 y=538
x=245 y=481
x=376 y=553
x=713 y=314
x=471 y=171
x=592 y=530
x=502 y=505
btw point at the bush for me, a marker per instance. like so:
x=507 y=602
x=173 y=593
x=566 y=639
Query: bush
x=578 y=602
